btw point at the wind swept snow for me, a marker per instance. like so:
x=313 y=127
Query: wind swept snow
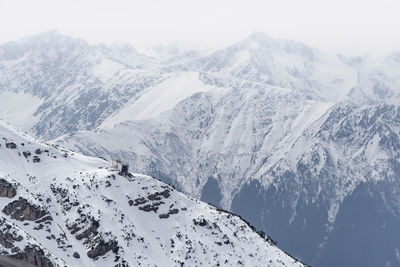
x=160 y=98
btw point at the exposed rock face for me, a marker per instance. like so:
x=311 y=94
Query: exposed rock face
x=33 y=255
x=9 y=262
x=7 y=239
x=19 y=249
x=26 y=154
x=153 y=202
x=90 y=236
x=27 y=255
x=90 y=232
x=7 y=189
x=156 y=196
x=341 y=198
x=102 y=248
x=11 y=145
x=22 y=210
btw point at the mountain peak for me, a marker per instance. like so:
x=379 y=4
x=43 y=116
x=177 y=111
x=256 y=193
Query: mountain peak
x=50 y=37
x=256 y=40
x=46 y=35
x=51 y=32
x=259 y=36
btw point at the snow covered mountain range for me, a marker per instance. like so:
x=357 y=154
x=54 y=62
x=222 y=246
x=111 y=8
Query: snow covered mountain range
x=60 y=208
x=303 y=144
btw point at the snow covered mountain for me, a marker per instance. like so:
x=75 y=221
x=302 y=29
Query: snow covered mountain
x=52 y=84
x=60 y=208
x=298 y=168
x=302 y=143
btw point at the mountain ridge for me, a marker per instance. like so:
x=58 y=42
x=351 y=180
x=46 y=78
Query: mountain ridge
x=60 y=208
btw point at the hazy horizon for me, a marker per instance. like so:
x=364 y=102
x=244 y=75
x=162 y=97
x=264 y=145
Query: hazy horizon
x=356 y=28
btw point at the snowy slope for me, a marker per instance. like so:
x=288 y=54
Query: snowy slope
x=54 y=84
x=159 y=98
x=202 y=133
x=66 y=204
x=288 y=164
x=19 y=107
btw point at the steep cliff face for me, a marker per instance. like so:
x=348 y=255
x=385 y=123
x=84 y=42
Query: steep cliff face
x=342 y=188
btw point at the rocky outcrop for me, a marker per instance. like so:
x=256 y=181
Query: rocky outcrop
x=22 y=210
x=7 y=189
x=26 y=154
x=152 y=202
x=102 y=248
x=90 y=232
x=11 y=145
x=7 y=238
x=90 y=236
x=170 y=212
x=9 y=262
x=33 y=255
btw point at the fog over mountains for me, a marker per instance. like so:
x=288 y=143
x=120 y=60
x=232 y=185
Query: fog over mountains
x=303 y=144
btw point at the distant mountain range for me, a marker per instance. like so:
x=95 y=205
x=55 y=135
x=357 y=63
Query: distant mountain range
x=302 y=143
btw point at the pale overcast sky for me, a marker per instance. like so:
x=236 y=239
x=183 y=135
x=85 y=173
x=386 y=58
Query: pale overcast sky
x=351 y=27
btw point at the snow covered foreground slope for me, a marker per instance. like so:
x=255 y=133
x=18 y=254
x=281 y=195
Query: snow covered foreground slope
x=60 y=208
